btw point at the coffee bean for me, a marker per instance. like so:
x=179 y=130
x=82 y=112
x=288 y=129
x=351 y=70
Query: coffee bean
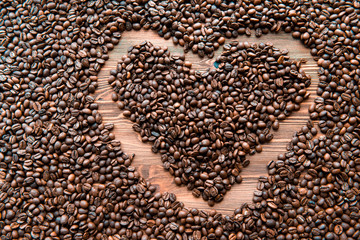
x=63 y=176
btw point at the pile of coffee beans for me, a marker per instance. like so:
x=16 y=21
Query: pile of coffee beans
x=63 y=174
x=204 y=124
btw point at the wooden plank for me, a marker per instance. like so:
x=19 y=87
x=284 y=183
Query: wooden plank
x=149 y=164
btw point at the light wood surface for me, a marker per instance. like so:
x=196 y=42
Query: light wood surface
x=149 y=163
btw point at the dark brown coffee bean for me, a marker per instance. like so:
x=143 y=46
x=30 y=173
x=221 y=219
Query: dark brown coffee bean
x=64 y=177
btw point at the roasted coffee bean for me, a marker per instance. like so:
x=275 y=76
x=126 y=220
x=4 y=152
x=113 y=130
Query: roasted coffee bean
x=63 y=176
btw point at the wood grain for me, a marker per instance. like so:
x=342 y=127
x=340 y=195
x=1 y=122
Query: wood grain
x=149 y=164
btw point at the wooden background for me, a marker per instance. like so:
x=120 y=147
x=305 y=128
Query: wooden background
x=149 y=163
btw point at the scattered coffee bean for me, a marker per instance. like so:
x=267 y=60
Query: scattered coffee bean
x=64 y=176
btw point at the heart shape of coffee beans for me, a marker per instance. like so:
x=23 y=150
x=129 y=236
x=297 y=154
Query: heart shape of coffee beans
x=205 y=123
